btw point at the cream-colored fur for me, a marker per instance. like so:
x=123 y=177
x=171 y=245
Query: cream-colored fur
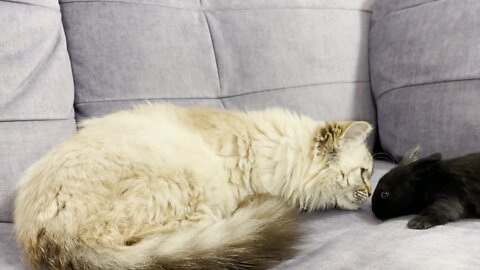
x=159 y=181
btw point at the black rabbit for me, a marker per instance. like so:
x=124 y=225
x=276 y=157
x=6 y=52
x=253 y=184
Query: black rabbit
x=437 y=191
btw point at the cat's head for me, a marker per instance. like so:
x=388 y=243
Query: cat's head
x=395 y=194
x=342 y=145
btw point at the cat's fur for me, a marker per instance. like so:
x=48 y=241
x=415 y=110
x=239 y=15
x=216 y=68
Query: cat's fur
x=437 y=191
x=164 y=187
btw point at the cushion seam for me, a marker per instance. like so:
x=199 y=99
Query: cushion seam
x=422 y=84
x=224 y=97
x=214 y=55
x=52 y=49
x=402 y=9
x=57 y=8
x=200 y=9
x=35 y=120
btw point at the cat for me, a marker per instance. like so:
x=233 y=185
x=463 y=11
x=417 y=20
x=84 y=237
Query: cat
x=437 y=191
x=166 y=187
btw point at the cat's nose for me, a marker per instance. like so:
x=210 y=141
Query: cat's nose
x=369 y=189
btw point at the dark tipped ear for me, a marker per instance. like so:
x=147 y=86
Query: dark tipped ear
x=410 y=156
x=422 y=166
x=330 y=136
x=327 y=137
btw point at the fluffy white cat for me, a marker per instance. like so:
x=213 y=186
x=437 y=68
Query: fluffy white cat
x=165 y=187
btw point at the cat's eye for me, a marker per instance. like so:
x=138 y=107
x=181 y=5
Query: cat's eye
x=384 y=194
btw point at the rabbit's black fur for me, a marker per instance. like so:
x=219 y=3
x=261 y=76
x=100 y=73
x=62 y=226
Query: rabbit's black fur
x=437 y=191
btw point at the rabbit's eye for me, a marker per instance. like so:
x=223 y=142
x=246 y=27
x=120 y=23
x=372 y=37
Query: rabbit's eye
x=384 y=194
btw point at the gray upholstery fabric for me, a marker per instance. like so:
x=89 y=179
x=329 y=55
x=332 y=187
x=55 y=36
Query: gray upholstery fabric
x=11 y=255
x=286 y=47
x=86 y=110
x=304 y=54
x=130 y=54
x=425 y=68
x=21 y=144
x=36 y=89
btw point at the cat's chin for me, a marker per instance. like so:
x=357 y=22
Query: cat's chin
x=319 y=206
x=339 y=203
x=347 y=205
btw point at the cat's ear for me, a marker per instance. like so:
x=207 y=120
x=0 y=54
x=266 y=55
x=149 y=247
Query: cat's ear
x=422 y=166
x=356 y=131
x=330 y=136
x=410 y=156
x=327 y=137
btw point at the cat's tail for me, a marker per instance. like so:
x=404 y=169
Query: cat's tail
x=261 y=233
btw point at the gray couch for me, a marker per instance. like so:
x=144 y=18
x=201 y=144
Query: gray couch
x=64 y=62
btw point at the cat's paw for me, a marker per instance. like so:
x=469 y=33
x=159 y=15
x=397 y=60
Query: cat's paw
x=420 y=223
x=360 y=196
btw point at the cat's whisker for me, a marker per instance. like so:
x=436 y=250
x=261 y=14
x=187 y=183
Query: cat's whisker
x=384 y=158
x=381 y=155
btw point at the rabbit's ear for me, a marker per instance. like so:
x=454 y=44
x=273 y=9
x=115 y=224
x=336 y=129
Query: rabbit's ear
x=424 y=165
x=411 y=155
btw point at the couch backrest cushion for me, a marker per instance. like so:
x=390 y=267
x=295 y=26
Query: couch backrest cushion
x=36 y=89
x=307 y=55
x=425 y=71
